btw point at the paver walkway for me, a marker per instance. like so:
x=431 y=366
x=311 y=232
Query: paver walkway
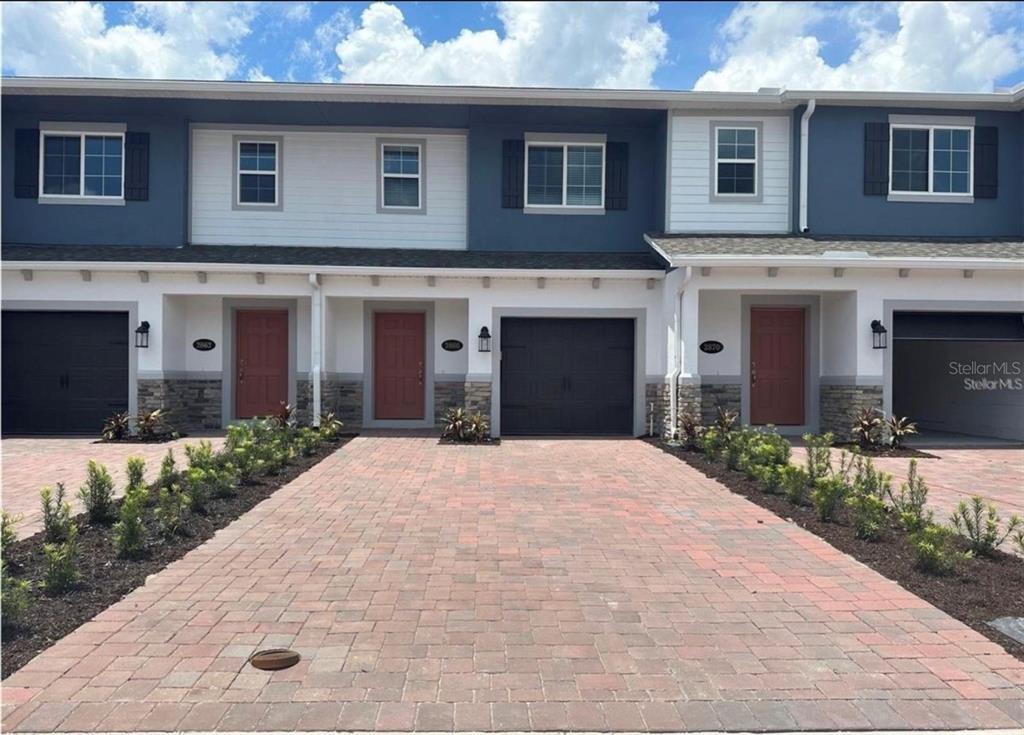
x=583 y=585
x=31 y=463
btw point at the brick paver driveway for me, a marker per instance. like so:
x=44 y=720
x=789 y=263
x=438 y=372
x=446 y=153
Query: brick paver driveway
x=31 y=463
x=589 y=585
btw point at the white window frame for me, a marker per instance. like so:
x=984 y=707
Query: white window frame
x=239 y=171
x=418 y=176
x=565 y=145
x=81 y=196
x=755 y=160
x=931 y=128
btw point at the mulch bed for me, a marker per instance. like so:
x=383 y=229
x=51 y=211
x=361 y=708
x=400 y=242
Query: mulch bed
x=158 y=439
x=107 y=578
x=884 y=451
x=981 y=590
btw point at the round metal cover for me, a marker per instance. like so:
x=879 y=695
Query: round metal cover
x=273 y=659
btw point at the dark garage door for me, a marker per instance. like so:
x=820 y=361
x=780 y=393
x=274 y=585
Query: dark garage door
x=566 y=376
x=64 y=372
x=960 y=373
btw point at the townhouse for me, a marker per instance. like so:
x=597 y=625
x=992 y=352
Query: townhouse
x=564 y=261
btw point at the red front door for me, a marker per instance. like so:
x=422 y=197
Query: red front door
x=261 y=362
x=777 y=366
x=398 y=363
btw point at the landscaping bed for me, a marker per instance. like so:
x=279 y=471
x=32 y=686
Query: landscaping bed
x=979 y=590
x=881 y=450
x=105 y=577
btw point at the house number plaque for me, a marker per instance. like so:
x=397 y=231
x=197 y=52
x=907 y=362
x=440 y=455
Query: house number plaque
x=711 y=347
x=204 y=345
x=451 y=345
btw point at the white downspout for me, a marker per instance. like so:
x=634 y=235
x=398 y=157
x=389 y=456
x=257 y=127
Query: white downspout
x=677 y=357
x=805 y=134
x=316 y=342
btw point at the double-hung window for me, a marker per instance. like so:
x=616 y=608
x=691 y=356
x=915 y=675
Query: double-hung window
x=82 y=165
x=401 y=176
x=931 y=160
x=565 y=175
x=735 y=167
x=258 y=173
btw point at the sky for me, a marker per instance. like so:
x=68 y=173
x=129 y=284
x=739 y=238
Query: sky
x=920 y=46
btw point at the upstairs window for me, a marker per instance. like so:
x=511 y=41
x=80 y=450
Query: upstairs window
x=401 y=176
x=736 y=162
x=565 y=175
x=258 y=173
x=82 y=165
x=931 y=160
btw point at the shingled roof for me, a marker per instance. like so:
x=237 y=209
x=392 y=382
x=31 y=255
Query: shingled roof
x=682 y=246
x=337 y=256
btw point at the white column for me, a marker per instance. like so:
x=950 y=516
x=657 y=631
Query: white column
x=316 y=343
x=689 y=332
x=480 y=315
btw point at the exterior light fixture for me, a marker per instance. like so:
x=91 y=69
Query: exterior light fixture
x=142 y=335
x=484 y=340
x=879 y=335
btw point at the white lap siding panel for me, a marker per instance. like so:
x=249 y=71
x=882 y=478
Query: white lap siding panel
x=329 y=192
x=690 y=205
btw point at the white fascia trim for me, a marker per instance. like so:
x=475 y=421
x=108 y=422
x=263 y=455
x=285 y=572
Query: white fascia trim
x=827 y=261
x=135 y=266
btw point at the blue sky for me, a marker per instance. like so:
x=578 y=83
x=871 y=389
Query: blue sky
x=673 y=45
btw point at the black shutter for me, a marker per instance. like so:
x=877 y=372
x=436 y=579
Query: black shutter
x=616 y=175
x=876 y=159
x=513 y=158
x=26 y=163
x=136 y=167
x=986 y=162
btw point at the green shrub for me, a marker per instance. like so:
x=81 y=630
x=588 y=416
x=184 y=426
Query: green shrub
x=796 y=484
x=135 y=471
x=909 y=503
x=168 y=470
x=118 y=426
x=477 y=428
x=828 y=496
x=56 y=513
x=98 y=493
x=61 y=571
x=308 y=441
x=8 y=531
x=868 y=512
x=869 y=481
x=460 y=426
x=935 y=549
x=1018 y=537
x=735 y=448
x=867 y=428
x=130 y=530
x=172 y=509
x=330 y=426
x=713 y=442
x=768 y=448
x=819 y=455
x=979 y=524
x=770 y=477
x=898 y=428
x=14 y=598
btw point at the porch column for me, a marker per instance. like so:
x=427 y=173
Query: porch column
x=316 y=343
x=479 y=389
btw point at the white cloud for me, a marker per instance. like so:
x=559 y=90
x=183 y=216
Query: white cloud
x=558 y=44
x=160 y=40
x=256 y=74
x=947 y=46
x=320 y=49
x=297 y=12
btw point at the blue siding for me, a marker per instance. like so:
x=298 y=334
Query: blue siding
x=493 y=228
x=838 y=205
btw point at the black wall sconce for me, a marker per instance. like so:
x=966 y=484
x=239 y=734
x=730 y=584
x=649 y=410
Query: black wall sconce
x=484 y=340
x=879 y=335
x=142 y=335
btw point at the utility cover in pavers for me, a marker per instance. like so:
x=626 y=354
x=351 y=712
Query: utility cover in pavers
x=1013 y=627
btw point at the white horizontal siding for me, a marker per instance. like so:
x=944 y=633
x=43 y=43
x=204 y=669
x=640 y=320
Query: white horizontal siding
x=689 y=202
x=329 y=193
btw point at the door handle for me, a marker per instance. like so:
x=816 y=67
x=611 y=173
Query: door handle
x=753 y=373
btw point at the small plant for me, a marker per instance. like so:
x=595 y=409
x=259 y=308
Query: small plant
x=796 y=484
x=909 y=503
x=867 y=428
x=869 y=481
x=117 y=427
x=330 y=426
x=14 y=600
x=868 y=511
x=454 y=423
x=56 y=513
x=308 y=441
x=172 y=508
x=735 y=449
x=935 y=549
x=135 y=471
x=819 y=455
x=98 y=493
x=8 y=530
x=283 y=416
x=979 y=524
x=898 y=428
x=61 y=573
x=770 y=477
x=690 y=429
x=130 y=530
x=150 y=424
x=828 y=496
x=713 y=441
x=725 y=420
x=1018 y=540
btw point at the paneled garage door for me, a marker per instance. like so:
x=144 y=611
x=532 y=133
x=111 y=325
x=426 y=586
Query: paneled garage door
x=567 y=376
x=64 y=372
